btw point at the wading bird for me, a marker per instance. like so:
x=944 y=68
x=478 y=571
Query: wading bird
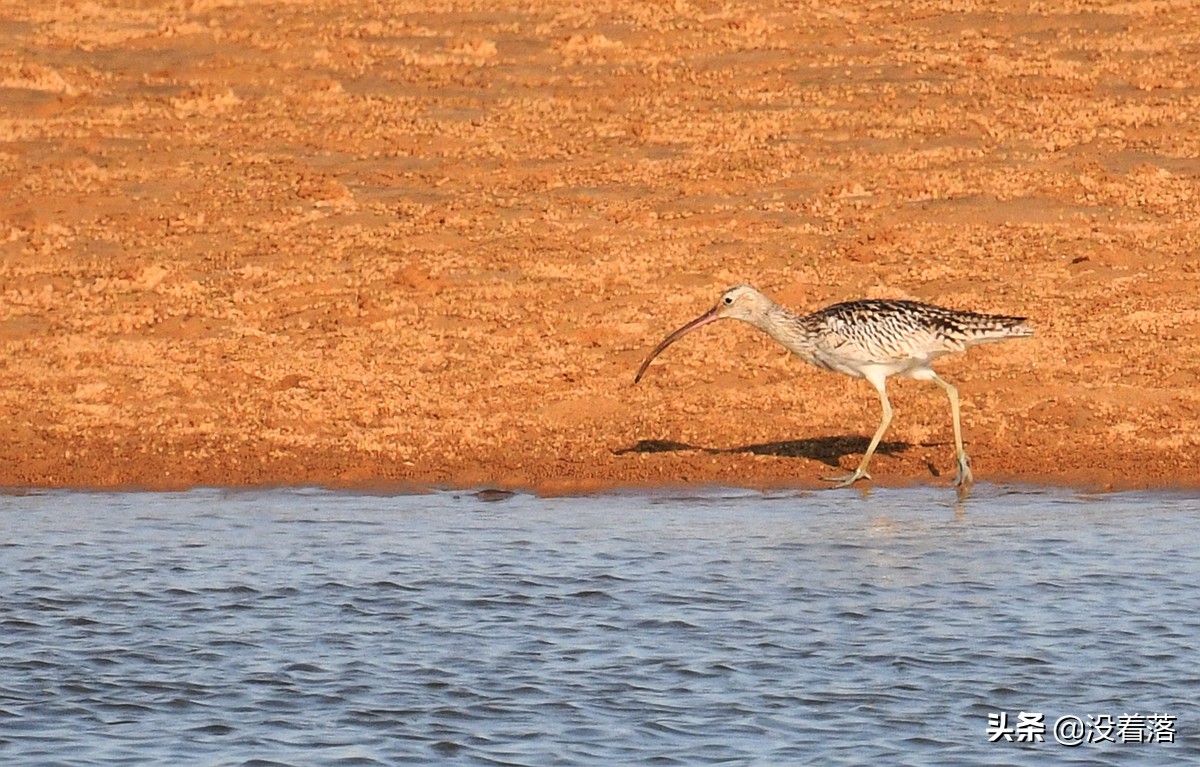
x=870 y=339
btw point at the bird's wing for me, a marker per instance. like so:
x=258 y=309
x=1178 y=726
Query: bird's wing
x=874 y=333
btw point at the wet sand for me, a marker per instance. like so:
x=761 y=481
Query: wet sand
x=428 y=245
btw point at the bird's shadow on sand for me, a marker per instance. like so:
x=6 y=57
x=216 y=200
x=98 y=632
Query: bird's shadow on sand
x=827 y=450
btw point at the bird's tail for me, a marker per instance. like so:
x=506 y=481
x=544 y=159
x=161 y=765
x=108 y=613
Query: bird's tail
x=988 y=328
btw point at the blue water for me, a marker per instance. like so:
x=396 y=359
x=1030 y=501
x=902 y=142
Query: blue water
x=722 y=627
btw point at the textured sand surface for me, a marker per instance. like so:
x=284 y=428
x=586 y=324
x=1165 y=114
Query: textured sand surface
x=427 y=243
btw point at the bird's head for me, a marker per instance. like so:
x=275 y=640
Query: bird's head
x=742 y=303
x=738 y=303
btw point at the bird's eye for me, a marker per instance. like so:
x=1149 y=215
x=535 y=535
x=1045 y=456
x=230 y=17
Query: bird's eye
x=728 y=300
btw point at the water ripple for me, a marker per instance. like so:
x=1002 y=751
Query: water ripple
x=301 y=627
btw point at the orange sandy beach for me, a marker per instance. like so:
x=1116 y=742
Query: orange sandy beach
x=413 y=244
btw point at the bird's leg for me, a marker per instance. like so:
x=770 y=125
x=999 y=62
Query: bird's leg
x=861 y=471
x=963 y=476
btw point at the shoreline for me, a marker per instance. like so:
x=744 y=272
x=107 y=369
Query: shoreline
x=1082 y=482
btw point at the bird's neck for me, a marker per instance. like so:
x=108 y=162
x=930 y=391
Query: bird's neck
x=786 y=327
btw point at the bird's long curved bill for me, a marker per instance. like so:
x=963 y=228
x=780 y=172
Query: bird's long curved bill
x=700 y=321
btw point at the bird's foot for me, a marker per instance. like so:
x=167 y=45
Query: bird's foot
x=848 y=479
x=963 y=476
